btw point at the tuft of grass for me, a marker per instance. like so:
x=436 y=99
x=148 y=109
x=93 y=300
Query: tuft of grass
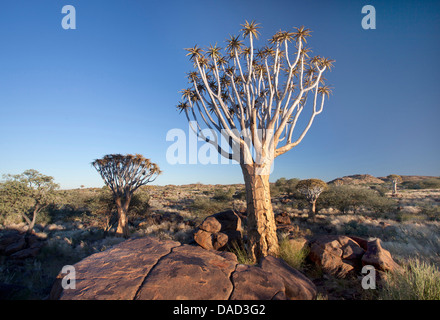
x=293 y=253
x=419 y=281
x=243 y=256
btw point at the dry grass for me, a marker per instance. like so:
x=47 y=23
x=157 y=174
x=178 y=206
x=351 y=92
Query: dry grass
x=419 y=281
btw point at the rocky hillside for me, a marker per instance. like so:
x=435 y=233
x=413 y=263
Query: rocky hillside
x=358 y=179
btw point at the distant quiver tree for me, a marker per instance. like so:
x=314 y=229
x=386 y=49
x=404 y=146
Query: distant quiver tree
x=311 y=189
x=395 y=179
x=254 y=99
x=124 y=174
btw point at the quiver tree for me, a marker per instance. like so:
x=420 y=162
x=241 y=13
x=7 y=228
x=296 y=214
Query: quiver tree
x=254 y=98
x=124 y=174
x=395 y=179
x=311 y=189
x=27 y=194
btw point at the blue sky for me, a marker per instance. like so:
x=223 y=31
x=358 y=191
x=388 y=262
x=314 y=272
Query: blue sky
x=68 y=97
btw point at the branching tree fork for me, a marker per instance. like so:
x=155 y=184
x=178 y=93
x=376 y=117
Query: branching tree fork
x=124 y=174
x=254 y=98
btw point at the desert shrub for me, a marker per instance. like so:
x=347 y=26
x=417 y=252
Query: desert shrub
x=294 y=254
x=139 y=204
x=240 y=194
x=284 y=186
x=432 y=212
x=349 y=198
x=381 y=189
x=203 y=206
x=421 y=212
x=419 y=281
x=224 y=195
x=354 y=228
x=428 y=183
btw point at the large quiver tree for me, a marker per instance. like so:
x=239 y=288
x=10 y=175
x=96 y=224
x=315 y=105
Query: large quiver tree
x=254 y=98
x=124 y=174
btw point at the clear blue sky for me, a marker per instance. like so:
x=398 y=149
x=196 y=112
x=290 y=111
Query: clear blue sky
x=68 y=97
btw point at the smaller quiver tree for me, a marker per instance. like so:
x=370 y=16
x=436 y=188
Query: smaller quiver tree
x=395 y=179
x=311 y=189
x=124 y=174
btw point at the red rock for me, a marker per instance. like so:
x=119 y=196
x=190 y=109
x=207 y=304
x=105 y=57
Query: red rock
x=149 y=268
x=283 y=218
x=15 y=246
x=219 y=230
x=189 y=273
x=379 y=257
x=336 y=255
x=253 y=283
x=114 y=274
x=297 y=286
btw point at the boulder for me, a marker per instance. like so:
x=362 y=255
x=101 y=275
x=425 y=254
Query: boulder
x=283 y=218
x=254 y=283
x=189 y=273
x=114 y=274
x=297 y=286
x=336 y=255
x=379 y=257
x=30 y=252
x=149 y=268
x=219 y=231
x=19 y=245
x=9 y=238
x=15 y=246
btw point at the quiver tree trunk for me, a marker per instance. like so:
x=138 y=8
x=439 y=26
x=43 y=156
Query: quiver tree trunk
x=394 y=187
x=261 y=228
x=312 y=211
x=122 y=206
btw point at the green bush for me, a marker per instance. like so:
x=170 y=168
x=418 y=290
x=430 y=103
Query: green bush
x=224 y=195
x=284 y=186
x=349 y=198
x=203 y=206
x=354 y=228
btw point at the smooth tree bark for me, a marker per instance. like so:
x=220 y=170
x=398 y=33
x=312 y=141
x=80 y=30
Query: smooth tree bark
x=124 y=174
x=254 y=98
